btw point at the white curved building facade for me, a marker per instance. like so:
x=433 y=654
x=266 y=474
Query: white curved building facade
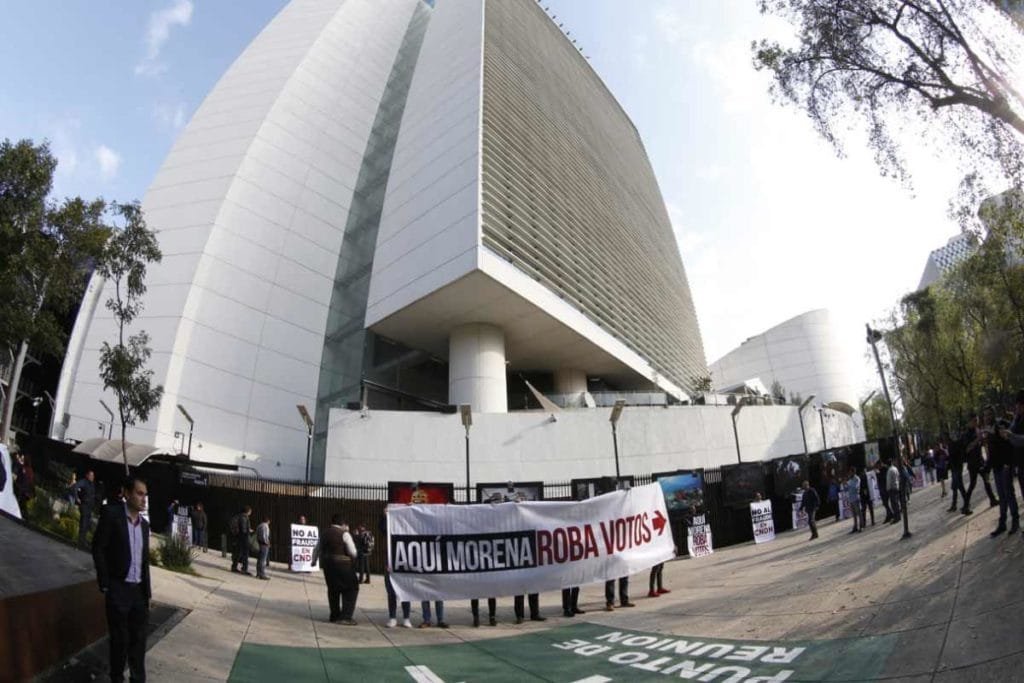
x=394 y=197
x=804 y=354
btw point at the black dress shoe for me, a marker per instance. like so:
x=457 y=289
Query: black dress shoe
x=568 y=613
x=493 y=621
x=1000 y=530
x=519 y=620
x=538 y=618
x=577 y=610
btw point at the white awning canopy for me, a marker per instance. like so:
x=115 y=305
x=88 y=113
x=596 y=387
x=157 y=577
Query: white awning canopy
x=109 y=450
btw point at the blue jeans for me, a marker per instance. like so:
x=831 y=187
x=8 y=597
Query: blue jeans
x=261 y=563
x=393 y=600
x=1004 y=489
x=438 y=607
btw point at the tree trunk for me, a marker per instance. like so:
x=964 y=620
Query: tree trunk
x=124 y=448
x=12 y=391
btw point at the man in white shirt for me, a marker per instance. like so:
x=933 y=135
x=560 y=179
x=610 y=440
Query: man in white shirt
x=892 y=485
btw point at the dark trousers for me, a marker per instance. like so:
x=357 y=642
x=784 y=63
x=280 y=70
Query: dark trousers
x=1007 y=498
x=957 y=484
x=84 y=526
x=492 y=608
x=609 y=591
x=343 y=588
x=974 y=475
x=534 y=599
x=393 y=600
x=363 y=568
x=866 y=506
x=894 y=504
x=655 y=579
x=127 y=615
x=883 y=493
x=240 y=557
x=570 y=600
x=812 y=521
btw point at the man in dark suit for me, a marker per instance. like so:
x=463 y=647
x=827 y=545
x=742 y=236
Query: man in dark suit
x=120 y=551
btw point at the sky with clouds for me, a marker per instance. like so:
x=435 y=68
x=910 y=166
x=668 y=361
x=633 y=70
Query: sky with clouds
x=769 y=221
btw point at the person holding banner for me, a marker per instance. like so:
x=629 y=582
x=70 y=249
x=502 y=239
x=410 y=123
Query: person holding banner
x=657 y=588
x=609 y=594
x=438 y=609
x=336 y=553
x=492 y=610
x=535 y=615
x=571 y=602
x=393 y=604
x=809 y=504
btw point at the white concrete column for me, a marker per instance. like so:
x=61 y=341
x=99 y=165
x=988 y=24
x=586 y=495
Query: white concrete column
x=476 y=368
x=570 y=381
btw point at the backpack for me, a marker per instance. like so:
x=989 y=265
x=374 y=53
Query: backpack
x=234 y=526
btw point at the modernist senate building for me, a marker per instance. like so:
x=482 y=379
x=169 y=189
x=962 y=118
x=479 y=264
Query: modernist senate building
x=396 y=205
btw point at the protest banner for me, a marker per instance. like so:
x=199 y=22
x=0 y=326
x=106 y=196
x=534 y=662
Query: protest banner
x=845 y=512
x=918 y=476
x=799 y=516
x=8 y=501
x=304 y=540
x=698 y=537
x=876 y=494
x=761 y=519
x=440 y=552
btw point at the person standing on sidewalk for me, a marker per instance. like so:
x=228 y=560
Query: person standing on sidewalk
x=199 y=521
x=336 y=553
x=809 y=503
x=239 y=529
x=120 y=552
x=1000 y=457
x=881 y=472
x=263 y=540
x=571 y=601
x=534 y=600
x=892 y=485
x=852 y=485
x=85 y=496
x=364 y=546
x=866 y=505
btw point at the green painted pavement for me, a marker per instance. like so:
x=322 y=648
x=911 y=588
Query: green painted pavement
x=581 y=652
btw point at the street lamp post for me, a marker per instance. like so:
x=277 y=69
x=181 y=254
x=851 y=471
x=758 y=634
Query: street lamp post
x=743 y=400
x=191 y=426
x=800 y=415
x=614 y=419
x=307 y=418
x=874 y=336
x=110 y=433
x=821 y=417
x=466 y=411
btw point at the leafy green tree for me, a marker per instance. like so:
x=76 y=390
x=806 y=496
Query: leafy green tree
x=123 y=365
x=906 y=67
x=877 y=420
x=45 y=249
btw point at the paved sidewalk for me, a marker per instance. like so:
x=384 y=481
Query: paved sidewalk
x=945 y=605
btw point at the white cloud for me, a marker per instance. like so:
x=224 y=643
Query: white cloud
x=108 y=160
x=160 y=24
x=172 y=116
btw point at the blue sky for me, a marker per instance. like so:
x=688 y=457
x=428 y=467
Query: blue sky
x=770 y=223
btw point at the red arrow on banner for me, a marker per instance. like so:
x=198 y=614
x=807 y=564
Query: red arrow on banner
x=659 y=522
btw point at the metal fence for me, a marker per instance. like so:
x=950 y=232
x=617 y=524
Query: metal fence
x=223 y=495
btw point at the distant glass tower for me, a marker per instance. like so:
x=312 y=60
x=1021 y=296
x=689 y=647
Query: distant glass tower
x=402 y=204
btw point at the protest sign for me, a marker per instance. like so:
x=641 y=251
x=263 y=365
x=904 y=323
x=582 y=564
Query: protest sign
x=698 y=537
x=845 y=511
x=918 y=476
x=304 y=540
x=799 y=516
x=439 y=552
x=8 y=501
x=876 y=494
x=761 y=518
x=181 y=525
